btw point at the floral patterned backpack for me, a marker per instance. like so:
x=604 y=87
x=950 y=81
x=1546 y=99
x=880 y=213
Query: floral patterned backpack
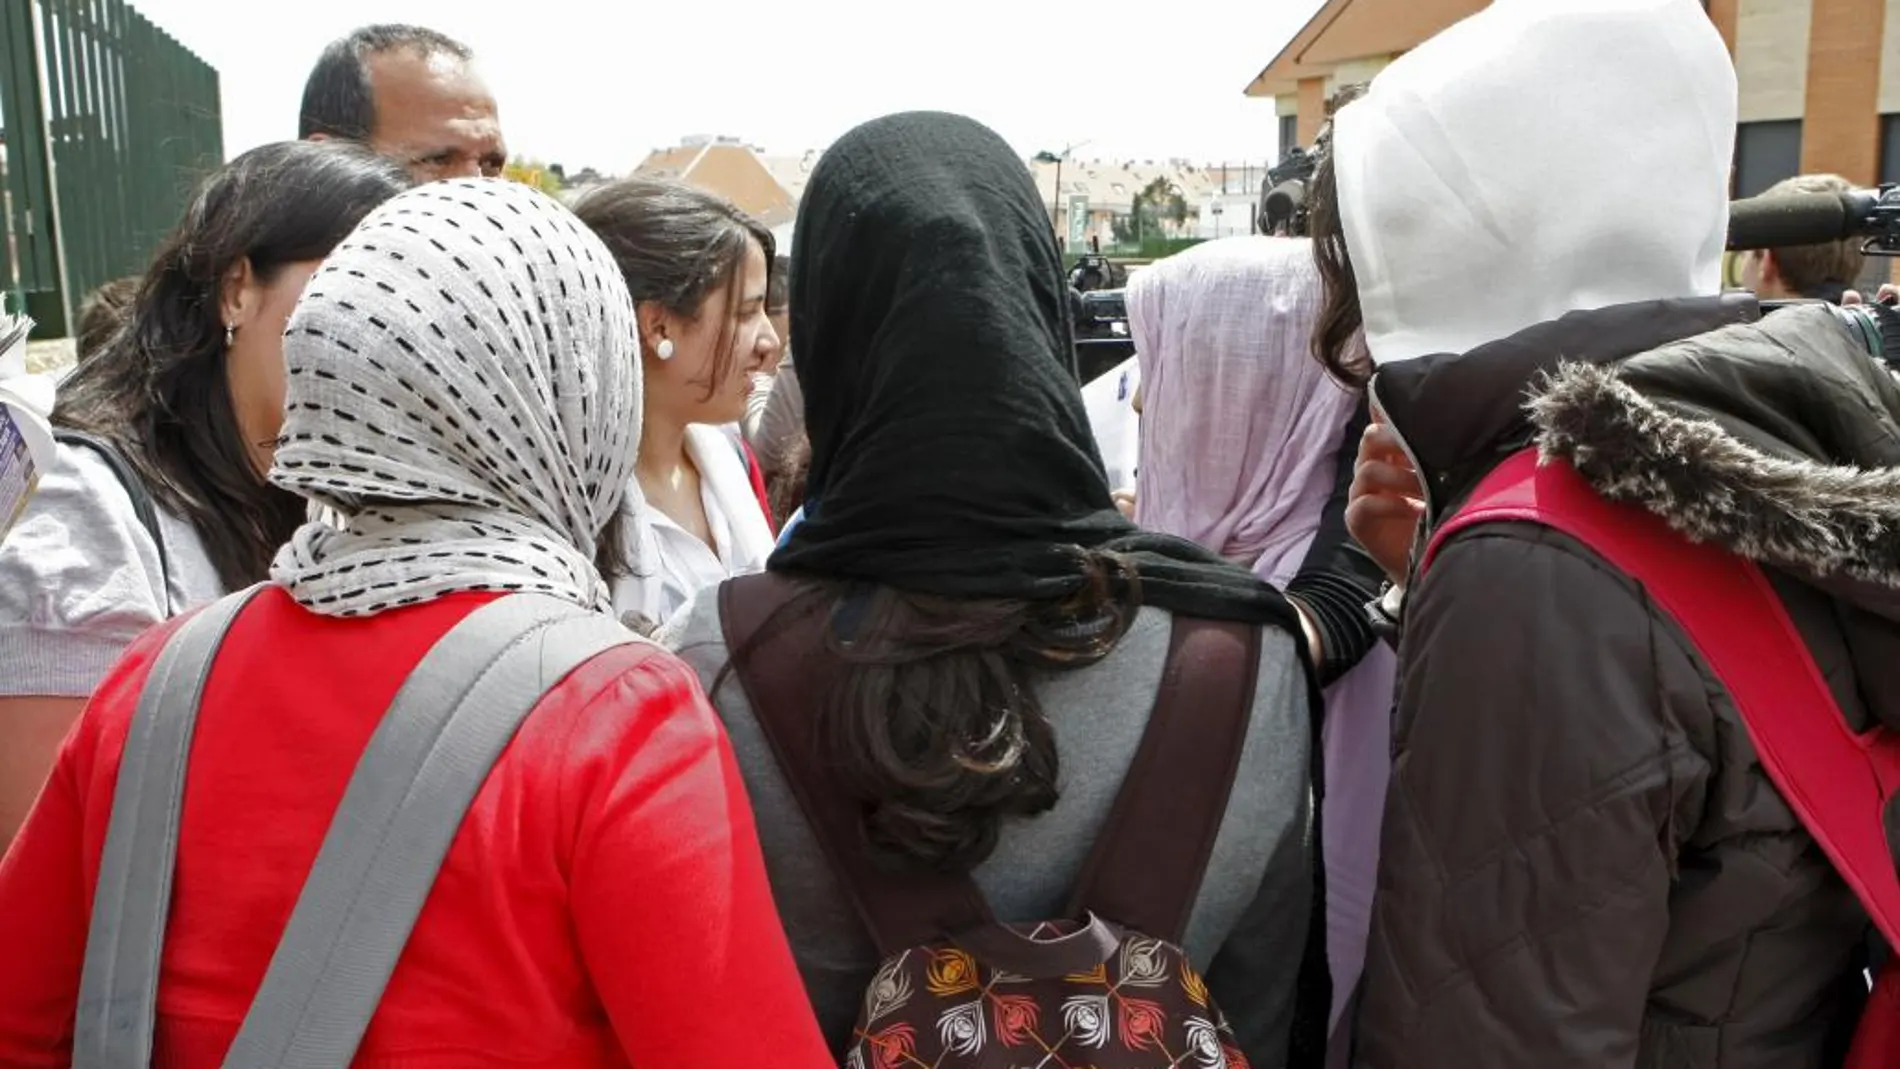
x=1106 y=988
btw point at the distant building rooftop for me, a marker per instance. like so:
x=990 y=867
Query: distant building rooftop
x=729 y=168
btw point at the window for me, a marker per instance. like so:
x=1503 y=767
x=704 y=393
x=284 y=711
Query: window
x=1119 y=189
x=1078 y=187
x=1889 y=148
x=1766 y=153
x=1289 y=133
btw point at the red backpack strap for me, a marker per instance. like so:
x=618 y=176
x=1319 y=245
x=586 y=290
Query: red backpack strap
x=1151 y=854
x=1836 y=781
x=776 y=642
x=1877 y=1040
x=755 y=473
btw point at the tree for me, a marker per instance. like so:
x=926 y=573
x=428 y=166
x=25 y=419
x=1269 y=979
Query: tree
x=533 y=173
x=1158 y=203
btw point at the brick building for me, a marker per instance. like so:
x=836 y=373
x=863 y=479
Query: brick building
x=1819 y=79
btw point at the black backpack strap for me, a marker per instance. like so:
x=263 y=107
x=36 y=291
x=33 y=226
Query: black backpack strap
x=1313 y=992
x=1152 y=853
x=143 y=506
x=777 y=645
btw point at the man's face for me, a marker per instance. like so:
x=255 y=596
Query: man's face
x=434 y=116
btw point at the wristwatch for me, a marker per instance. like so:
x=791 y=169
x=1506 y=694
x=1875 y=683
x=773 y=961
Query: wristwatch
x=1383 y=611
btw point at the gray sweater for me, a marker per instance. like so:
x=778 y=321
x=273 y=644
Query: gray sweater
x=1248 y=927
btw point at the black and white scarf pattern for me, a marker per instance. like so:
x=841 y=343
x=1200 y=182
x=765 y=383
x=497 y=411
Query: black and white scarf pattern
x=464 y=394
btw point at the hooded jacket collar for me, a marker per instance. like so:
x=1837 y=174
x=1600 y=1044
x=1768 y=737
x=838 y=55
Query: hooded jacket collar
x=1779 y=441
x=1459 y=414
x=1776 y=438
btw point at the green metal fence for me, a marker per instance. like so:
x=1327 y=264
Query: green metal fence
x=107 y=124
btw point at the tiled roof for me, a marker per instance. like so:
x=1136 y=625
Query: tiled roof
x=792 y=172
x=672 y=162
x=733 y=171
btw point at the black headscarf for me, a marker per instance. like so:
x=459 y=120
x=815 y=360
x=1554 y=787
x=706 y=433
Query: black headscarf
x=949 y=449
x=950 y=452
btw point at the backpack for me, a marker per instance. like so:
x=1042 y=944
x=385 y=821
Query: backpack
x=1838 y=782
x=1107 y=985
x=427 y=759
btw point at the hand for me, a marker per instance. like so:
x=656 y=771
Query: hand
x=1125 y=502
x=1889 y=294
x=1387 y=501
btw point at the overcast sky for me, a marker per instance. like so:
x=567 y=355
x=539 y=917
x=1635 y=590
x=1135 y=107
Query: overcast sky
x=600 y=82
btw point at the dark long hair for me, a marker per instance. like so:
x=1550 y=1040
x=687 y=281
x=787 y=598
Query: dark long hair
x=103 y=313
x=159 y=390
x=934 y=723
x=1340 y=316
x=785 y=477
x=677 y=246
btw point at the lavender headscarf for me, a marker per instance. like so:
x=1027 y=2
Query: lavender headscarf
x=1240 y=430
x=1240 y=422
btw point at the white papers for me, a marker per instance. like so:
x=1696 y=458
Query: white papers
x=26 y=436
x=1109 y=402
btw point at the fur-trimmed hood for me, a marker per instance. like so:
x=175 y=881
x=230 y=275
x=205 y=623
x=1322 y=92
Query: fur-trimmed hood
x=1777 y=438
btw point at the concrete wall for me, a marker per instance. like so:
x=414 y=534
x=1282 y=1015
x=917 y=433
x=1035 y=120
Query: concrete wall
x=1771 y=58
x=1890 y=60
x=1356 y=72
x=1234 y=218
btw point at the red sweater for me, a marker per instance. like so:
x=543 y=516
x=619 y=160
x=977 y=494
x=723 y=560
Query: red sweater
x=604 y=903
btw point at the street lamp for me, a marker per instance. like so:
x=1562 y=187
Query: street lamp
x=1045 y=156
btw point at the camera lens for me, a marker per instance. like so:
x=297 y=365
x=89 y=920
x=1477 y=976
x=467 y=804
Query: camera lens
x=1281 y=207
x=1876 y=327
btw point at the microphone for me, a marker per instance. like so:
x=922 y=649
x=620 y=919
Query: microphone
x=1799 y=219
x=1282 y=207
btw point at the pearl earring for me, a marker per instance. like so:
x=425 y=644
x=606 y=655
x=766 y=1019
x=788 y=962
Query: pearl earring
x=230 y=333
x=664 y=350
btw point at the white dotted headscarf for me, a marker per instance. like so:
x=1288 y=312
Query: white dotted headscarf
x=464 y=393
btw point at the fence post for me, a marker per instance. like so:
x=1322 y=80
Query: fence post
x=34 y=224
x=108 y=122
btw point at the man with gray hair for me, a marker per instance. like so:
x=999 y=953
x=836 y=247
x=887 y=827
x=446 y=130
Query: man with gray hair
x=410 y=93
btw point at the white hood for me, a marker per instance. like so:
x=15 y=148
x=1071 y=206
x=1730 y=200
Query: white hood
x=1540 y=157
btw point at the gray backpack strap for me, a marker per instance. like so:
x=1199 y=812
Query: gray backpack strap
x=118 y=985
x=422 y=769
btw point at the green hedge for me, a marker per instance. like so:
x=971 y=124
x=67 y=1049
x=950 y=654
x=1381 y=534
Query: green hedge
x=1153 y=249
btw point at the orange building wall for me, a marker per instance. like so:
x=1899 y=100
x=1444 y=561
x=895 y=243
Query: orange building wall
x=1841 y=126
x=1841 y=131
x=1312 y=108
x=1724 y=14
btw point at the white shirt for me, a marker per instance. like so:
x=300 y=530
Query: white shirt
x=1109 y=401
x=670 y=565
x=79 y=579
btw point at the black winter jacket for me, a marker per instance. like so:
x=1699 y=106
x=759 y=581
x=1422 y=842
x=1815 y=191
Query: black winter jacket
x=1584 y=863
